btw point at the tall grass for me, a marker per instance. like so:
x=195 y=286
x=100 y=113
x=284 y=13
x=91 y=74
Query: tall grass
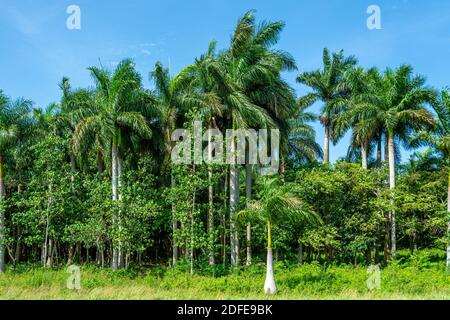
x=311 y=281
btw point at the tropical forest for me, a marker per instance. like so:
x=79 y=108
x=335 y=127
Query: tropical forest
x=89 y=188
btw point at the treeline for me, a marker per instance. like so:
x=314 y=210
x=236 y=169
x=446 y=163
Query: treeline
x=90 y=179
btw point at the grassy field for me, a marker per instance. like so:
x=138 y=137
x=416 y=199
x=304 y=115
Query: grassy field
x=297 y=282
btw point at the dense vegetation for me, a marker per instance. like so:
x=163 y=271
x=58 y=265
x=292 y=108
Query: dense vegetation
x=90 y=179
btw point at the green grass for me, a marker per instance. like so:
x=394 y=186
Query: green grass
x=294 y=282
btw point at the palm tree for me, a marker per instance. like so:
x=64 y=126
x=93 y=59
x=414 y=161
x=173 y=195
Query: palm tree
x=330 y=86
x=248 y=84
x=118 y=105
x=439 y=139
x=397 y=101
x=276 y=205
x=302 y=138
x=14 y=119
x=364 y=130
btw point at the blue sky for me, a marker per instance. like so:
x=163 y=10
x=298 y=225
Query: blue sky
x=37 y=48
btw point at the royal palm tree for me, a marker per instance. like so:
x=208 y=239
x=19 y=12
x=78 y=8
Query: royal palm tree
x=118 y=106
x=397 y=101
x=302 y=138
x=248 y=83
x=14 y=119
x=331 y=87
x=439 y=139
x=276 y=204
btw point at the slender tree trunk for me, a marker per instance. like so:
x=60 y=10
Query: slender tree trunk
x=100 y=164
x=191 y=256
x=120 y=253
x=248 y=197
x=269 y=285
x=174 y=225
x=379 y=151
x=224 y=219
x=234 y=205
x=73 y=167
x=326 y=146
x=386 y=148
x=114 y=158
x=392 y=187
x=300 y=253
x=364 y=155
x=210 y=218
x=2 y=219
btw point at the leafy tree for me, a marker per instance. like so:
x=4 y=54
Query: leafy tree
x=118 y=106
x=276 y=205
x=14 y=118
x=330 y=86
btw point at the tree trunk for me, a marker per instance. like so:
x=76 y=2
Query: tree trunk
x=364 y=155
x=120 y=253
x=379 y=151
x=2 y=219
x=100 y=164
x=73 y=168
x=326 y=146
x=234 y=205
x=300 y=253
x=224 y=219
x=248 y=197
x=191 y=256
x=174 y=225
x=386 y=148
x=269 y=285
x=211 y=218
x=114 y=158
x=392 y=187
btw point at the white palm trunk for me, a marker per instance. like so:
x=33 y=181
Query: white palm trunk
x=120 y=252
x=174 y=226
x=269 y=285
x=248 y=197
x=364 y=155
x=234 y=203
x=114 y=182
x=326 y=146
x=210 y=205
x=391 y=147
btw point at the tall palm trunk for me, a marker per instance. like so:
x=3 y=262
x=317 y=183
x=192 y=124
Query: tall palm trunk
x=364 y=148
x=114 y=181
x=391 y=147
x=379 y=151
x=2 y=218
x=210 y=206
x=269 y=286
x=120 y=251
x=174 y=225
x=234 y=203
x=248 y=197
x=210 y=218
x=326 y=145
x=191 y=253
x=224 y=219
